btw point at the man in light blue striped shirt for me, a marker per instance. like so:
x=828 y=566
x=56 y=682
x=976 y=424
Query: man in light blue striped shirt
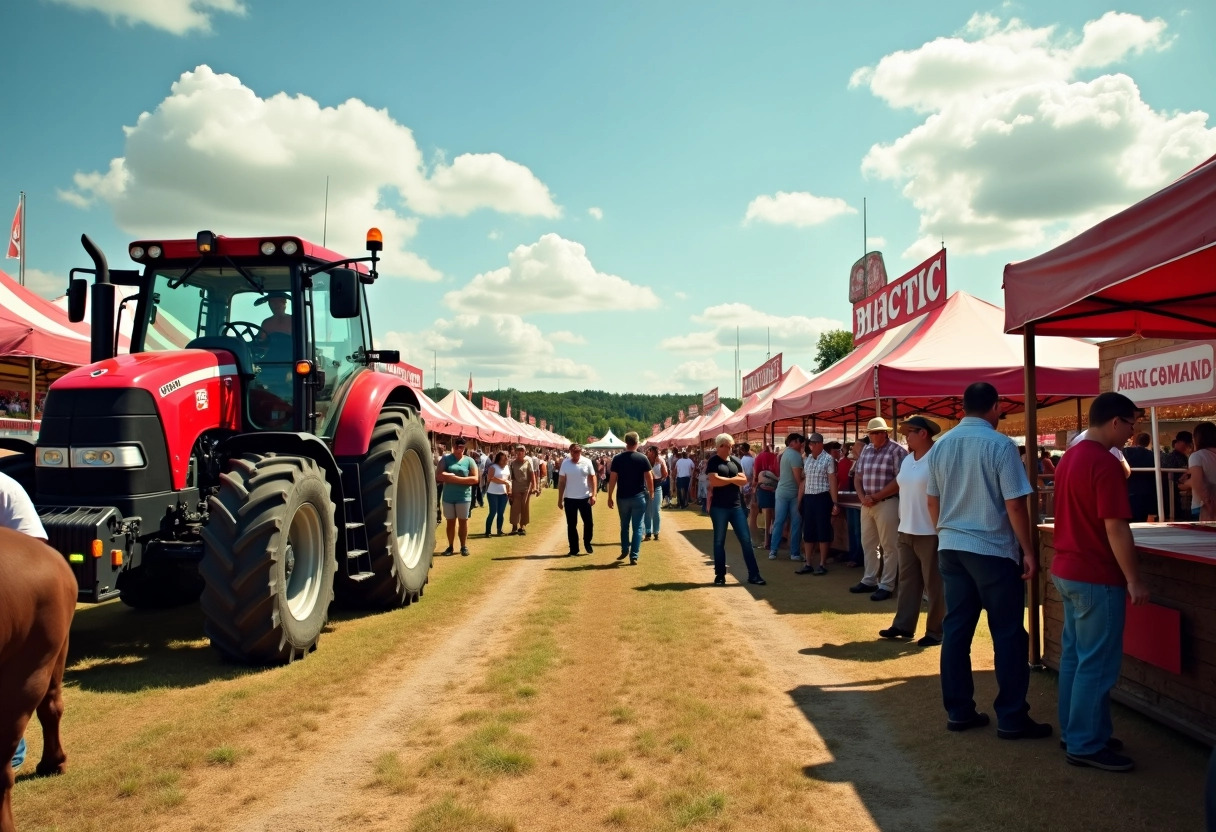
x=977 y=499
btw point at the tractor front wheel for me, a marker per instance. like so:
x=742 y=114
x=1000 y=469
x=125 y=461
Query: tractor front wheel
x=269 y=559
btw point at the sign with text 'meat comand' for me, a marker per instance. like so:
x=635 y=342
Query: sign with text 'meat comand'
x=907 y=297
x=766 y=375
x=1175 y=375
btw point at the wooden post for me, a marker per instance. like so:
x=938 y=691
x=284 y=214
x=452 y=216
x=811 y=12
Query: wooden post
x=1032 y=472
x=33 y=391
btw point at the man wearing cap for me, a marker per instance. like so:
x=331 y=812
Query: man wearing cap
x=818 y=505
x=789 y=498
x=457 y=473
x=874 y=479
x=279 y=321
x=977 y=491
x=918 y=572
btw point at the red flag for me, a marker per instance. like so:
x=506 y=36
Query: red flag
x=470 y=393
x=14 y=236
x=508 y=410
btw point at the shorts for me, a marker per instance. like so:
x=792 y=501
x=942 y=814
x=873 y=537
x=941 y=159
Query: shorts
x=456 y=511
x=817 y=518
x=766 y=499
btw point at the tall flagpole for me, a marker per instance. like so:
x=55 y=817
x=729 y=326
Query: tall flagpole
x=21 y=250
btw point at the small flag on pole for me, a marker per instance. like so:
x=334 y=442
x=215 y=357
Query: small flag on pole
x=14 y=236
x=470 y=393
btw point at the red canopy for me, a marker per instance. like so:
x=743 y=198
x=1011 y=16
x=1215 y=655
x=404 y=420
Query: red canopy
x=1150 y=269
x=926 y=364
x=460 y=409
x=31 y=327
x=756 y=411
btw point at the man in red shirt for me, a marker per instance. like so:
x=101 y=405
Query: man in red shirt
x=1094 y=570
x=764 y=493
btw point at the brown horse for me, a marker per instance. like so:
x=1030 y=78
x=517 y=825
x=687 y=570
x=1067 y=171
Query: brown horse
x=37 y=599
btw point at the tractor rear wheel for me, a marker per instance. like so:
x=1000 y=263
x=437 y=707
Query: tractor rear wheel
x=398 y=491
x=269 y=558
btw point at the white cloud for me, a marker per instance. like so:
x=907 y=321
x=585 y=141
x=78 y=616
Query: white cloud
x=698 y=373
x=799 y=209
x=551 y=275
x=504 y=347
x=175 y=16
x=1017 y=149
x=681 y=295
x=250 y=165
x=596 y=213
x=566 y=337
x=875 y=243
x=755 y=330
x=44 y=284
x=494 y=235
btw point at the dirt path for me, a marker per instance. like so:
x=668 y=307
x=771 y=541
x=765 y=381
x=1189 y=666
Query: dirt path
x=323 y=798
x=850 y=745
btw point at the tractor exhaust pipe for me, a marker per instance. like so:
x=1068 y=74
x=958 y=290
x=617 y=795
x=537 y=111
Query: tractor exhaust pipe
x=101 y=321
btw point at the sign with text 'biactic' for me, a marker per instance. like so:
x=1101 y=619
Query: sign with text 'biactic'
x=766 y=375
x=1175 y=375
x=904 y=299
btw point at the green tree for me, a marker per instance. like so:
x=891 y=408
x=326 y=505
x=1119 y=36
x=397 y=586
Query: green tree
x=833 y=346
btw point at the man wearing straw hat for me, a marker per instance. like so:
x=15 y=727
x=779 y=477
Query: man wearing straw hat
x=877 y=489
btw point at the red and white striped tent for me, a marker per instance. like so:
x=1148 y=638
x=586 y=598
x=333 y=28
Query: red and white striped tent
x=924 y=365
x=756 y=412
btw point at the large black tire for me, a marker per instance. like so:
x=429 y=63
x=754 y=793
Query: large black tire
x=269 y=559
x=397 y=482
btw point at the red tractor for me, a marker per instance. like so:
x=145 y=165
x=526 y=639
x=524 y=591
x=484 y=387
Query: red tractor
x=249 y=451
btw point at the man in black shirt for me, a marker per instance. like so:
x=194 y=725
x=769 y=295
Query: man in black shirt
x=726 y=478
x=1141 y=487
x=630 y=473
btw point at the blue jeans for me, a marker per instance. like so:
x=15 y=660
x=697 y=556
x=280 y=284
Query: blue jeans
x=633 y=512
x=19 y=757
x=737 y=518
x=787 y=507
x=498 y=506
x=650 y=523
x=974 y=583
x=1091 y=653
x=682 y=491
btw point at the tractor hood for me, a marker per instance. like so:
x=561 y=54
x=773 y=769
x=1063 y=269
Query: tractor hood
x=168 y=376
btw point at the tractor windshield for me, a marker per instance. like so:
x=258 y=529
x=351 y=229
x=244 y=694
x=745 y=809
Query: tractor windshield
x=214 y=302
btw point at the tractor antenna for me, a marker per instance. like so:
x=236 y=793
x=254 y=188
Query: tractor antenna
x=325 y=216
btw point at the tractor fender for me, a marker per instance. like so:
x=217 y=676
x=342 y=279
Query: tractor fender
x=296 y=444
x=369 y=393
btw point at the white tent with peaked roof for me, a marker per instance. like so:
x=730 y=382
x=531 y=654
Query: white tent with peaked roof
x=609 y=442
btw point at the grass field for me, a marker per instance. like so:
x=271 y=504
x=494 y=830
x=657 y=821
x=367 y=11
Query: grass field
x=529 y=690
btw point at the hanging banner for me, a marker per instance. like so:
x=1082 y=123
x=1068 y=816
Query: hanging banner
x=532 y=421
x=654 y=430
x=523 y=415
x=667 y=423
x=544 y=425
x=411 y=374
x=693 y=412
x=710 y=400
x=766 y=375
x=489 y=404
x=908 y=297
x=681 y=416
x=868 y=275
x=1175 y=375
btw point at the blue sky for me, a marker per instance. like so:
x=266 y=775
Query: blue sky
x=578 y=196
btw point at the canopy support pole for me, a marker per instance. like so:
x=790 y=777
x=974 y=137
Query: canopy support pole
x=1032 y=502
x=1157 y=465
x=1078 y=414
x=33 y=382
x=894 y=417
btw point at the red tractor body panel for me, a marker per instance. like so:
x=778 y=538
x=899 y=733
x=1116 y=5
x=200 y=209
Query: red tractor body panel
x=195 y=391
x=368 y=394
x=184 y=252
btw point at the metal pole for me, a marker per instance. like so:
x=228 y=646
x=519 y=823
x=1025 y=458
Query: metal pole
x=1157 y=465
x=33 y=388
x=21 y=248
x=1032 y=472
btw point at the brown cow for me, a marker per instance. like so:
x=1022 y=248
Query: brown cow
x=37 y=599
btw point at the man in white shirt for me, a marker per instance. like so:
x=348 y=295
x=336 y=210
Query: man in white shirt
x=684 y=469
x=576 y=487
x=748 y=463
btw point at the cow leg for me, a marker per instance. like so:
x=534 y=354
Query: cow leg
x=15 y=708
x=50 y=713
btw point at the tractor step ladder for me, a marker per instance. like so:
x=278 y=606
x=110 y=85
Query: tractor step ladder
x=358 y=561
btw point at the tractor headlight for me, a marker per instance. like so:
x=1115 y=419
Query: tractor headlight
x=52 y=458
x=136 y=252
x=290 y=247
x=119 y=456
x=268 y=248
x=154 y=251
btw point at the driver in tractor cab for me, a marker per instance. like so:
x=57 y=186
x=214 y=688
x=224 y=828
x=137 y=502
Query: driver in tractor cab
x=279 y=320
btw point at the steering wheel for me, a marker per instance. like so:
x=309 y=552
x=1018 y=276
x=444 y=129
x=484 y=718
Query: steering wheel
x=244 y=330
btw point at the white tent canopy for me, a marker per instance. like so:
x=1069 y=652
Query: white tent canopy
x=609 y=442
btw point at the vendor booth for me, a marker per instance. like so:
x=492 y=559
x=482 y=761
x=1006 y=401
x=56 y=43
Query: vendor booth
x=608 y=442
x=1149 y=271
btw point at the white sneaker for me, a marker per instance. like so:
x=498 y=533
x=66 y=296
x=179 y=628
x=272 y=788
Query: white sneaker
x=771 y=556
x=795 y=557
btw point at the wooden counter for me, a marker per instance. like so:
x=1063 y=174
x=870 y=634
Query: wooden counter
x=1169 y=661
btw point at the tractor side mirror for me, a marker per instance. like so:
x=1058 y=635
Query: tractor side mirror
x=78 y=295
x=345 y=296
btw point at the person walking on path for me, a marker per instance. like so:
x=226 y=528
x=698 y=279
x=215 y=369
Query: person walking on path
x=766 y=471
x=918 y=572
x=1095 y=570
x=977 y=491
x=819 y=496
x=726 y=479
x=576 y=487
x=789 y=499
x=877 y=489
x=458 y=475
x=525 y=484
x=684 y=469
x=630 y=479
x=658 y=471
x=498 y=491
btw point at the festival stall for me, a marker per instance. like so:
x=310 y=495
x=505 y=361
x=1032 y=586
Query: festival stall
x=683 y=435
x=607 y=442
x=713 y=424
x=756 y=411
x=1150 y=270
x=461 y=410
